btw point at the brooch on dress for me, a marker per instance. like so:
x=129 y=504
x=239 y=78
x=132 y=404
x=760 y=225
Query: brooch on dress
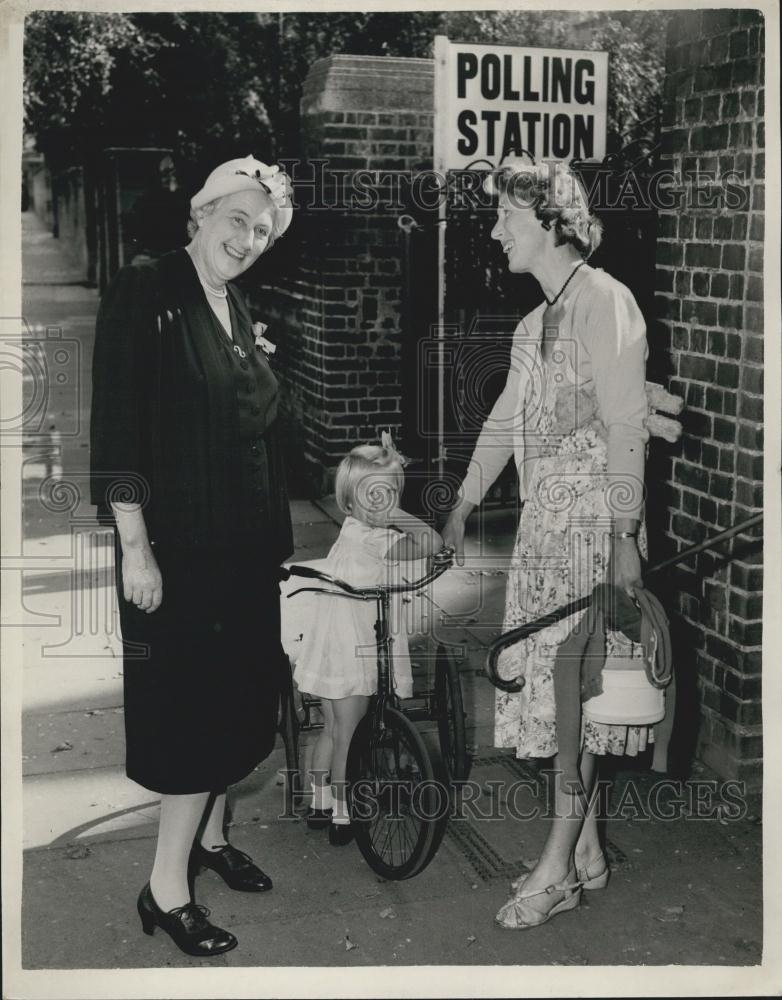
x=261 y=342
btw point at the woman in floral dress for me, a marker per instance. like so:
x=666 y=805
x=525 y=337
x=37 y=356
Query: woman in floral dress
x=572 y=415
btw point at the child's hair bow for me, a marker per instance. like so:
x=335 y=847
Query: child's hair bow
x=388 y=443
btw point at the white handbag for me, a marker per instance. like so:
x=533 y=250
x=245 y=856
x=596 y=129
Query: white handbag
x=628 y=698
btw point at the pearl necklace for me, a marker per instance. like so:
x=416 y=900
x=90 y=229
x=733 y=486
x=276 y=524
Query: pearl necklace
x=218 y=293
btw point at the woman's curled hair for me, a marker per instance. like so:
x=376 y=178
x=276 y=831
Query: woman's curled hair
x=557 y=198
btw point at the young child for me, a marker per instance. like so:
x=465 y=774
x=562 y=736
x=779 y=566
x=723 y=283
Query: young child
x=338 y=658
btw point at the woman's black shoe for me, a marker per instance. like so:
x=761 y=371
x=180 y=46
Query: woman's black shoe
x=318 y=819
x=340 y=834
x=234 y=867
x=187 y=926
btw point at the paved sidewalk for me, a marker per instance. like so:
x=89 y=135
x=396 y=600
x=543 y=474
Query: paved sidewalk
x=686 y=891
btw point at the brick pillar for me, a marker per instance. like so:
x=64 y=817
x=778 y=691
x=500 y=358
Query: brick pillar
x=710 y=282
x=336 y=296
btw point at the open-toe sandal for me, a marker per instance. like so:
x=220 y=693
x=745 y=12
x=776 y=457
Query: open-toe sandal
x=594 y=875
x=518 y=915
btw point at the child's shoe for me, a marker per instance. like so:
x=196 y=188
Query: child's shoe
x=318 y=819
x=340 y=834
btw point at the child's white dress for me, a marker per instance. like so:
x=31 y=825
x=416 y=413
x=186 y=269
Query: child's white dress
x=338 y=656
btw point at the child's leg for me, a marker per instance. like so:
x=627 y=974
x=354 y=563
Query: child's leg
x=348 y=712
x=321 y=759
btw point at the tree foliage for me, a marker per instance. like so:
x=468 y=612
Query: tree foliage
x=73 y=64
x=213 y=85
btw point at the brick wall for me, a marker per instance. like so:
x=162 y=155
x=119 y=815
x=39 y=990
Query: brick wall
x=333 y=292
x=710 y=304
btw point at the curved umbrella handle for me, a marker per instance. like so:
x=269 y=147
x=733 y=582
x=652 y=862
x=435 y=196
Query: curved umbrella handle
x=524 y=632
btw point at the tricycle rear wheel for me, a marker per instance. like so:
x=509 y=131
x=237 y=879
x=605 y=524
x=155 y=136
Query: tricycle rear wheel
x=450 y=717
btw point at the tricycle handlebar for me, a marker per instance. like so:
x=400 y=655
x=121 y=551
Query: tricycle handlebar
x=440 y=562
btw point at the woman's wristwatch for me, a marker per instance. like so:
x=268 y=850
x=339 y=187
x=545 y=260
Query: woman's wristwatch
x=626 y=534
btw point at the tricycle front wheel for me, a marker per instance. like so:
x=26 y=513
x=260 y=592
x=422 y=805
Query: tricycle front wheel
x=397 y=807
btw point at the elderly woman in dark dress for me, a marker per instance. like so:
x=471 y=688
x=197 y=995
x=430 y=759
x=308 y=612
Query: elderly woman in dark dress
x=187 y=462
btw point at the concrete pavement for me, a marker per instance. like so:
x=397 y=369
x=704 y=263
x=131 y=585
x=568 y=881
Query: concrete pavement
x=683 y=891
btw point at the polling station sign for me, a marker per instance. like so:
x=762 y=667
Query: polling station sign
x=496 y=100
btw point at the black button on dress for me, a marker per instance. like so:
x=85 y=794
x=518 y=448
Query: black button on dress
x=184 y=425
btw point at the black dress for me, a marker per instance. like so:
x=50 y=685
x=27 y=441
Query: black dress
x=184 y=422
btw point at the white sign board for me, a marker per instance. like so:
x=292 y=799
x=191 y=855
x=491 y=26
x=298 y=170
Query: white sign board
x=496 y=100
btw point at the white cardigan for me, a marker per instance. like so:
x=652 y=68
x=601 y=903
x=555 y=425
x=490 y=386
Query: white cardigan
x=608 y=351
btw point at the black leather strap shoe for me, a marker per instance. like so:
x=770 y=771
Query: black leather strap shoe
x=340 y=834
x=187 y=926
x=234 y=867
x=318 y=819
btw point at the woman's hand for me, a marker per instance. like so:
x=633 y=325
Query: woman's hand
x=142 y=582
x=453 y=536
x=626 y=565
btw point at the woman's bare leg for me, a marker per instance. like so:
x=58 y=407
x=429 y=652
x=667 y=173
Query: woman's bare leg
x=557 y=857
x=213 y=833
x=179 y=819
x=588 y=847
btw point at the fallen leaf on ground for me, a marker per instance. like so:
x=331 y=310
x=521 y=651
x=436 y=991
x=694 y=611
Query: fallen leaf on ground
x=349 y=946
x=65 y=745
x=471 y=940
x=94 y=711
x=388 y=913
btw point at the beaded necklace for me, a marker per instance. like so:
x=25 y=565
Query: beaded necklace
x=551 y=302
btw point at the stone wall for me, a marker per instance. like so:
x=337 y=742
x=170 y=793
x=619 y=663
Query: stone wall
x=710 y=304
x=72 y=219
